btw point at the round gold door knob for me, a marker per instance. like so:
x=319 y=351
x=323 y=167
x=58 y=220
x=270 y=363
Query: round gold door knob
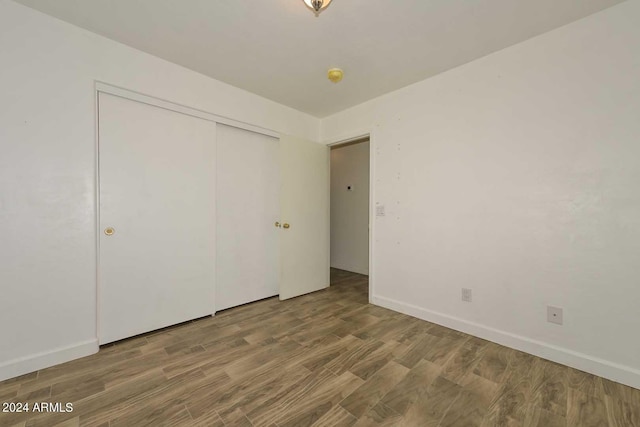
x=277 y=224
x=285 y=225
x=109 y=231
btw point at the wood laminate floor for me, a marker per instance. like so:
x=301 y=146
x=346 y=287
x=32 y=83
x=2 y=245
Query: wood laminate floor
x=323 y=359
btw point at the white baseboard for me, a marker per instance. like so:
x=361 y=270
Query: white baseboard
x=583 y=362
x=359 y=270
x=24 y=365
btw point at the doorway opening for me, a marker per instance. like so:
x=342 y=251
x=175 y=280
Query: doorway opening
x=350 y=215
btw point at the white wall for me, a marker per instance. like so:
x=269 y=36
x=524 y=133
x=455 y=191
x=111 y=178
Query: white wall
x=518 y=175
x=47 y=172
x=350 y=208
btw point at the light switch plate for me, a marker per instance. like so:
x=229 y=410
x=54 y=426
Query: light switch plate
x=380 y=210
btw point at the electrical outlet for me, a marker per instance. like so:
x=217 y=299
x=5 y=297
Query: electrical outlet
x=554 y=315
x=466 y=295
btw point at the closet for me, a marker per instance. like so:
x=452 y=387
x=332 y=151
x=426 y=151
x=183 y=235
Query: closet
x=198 y=213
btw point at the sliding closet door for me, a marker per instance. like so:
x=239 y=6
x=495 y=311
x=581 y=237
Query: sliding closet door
x=248 y=207
x=157 y=218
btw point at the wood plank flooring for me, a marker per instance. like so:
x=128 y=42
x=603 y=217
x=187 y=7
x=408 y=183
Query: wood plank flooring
x=324 y=359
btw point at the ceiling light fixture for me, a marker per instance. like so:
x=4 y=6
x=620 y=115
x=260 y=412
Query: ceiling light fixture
x=317 y=6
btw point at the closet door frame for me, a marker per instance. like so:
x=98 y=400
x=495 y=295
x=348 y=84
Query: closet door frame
x=101 y=87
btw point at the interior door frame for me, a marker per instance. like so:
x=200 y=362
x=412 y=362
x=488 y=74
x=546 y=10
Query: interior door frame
x=106 y=88
x=368 y=134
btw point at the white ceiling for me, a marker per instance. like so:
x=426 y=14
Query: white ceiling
x=278 y=49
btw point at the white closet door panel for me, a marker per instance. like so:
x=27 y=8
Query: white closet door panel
x=248 y=205
x=157 y=191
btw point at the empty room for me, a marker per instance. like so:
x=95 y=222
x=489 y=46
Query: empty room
x=319 y=213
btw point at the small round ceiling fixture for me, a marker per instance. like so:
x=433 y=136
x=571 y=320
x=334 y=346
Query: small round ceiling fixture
x=317 y=6
x=335 y=74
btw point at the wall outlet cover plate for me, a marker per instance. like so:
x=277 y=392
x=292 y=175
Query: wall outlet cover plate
x=554 y=315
